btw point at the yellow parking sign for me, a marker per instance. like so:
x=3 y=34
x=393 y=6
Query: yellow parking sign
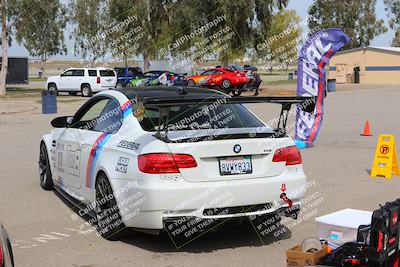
x=385 y=162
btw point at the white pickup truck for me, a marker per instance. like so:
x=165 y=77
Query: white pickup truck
x=84 y=80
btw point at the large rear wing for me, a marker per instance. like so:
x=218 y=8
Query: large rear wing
x=307 y=104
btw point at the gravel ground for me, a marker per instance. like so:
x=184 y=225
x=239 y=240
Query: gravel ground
x=338 y=164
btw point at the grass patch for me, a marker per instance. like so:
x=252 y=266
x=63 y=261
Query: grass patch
x=37 y=79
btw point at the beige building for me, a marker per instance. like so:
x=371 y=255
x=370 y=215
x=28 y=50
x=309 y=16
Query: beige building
x=371 y=65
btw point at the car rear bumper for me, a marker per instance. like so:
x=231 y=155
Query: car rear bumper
x=147 y=205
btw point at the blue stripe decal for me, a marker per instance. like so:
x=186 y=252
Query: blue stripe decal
x=382 y=68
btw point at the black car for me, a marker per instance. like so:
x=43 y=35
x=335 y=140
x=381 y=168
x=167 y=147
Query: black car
x=250 y=68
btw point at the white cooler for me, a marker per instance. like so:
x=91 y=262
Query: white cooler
x=341 y=227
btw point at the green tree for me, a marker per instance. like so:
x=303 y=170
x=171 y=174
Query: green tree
x=393 y=10
x=40 y=28
x=357 y=18
x=8 y=16
x=90 y=20
x=278 y=48
x=151 y=18
x=247 y=20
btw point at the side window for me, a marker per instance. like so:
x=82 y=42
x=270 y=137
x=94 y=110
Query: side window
x=110 y=119
x=88 y=117
x=79 y=73
x=120 y=71
x=131 y=72
x=68 y=73
x=209 y=72
x=92 y=73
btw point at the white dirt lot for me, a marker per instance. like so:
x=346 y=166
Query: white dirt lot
x=338 y=163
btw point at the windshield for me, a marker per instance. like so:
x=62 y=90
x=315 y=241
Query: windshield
x=237 y=67
x=195 y=117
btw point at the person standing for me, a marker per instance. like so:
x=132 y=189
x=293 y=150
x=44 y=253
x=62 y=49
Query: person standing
x=256 y=82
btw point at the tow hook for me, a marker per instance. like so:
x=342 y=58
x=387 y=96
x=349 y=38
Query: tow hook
x=286 y=200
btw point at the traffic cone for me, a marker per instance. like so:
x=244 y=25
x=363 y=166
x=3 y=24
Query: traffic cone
x=366 y=131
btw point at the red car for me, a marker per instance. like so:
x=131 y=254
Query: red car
x=225 y=79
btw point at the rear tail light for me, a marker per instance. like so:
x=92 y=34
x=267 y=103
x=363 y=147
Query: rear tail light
x=380 y=242
x=1 y=256
x=171 y=78
x=290 y=155
x=98 y=79
x=156 y=163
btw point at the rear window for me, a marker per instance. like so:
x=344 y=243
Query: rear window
x=196 y=117
x=92 y=73
x=107 y=73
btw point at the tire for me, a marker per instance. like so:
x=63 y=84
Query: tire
x=46 y=180
x=86 y=91
x=191 y=83
x=129 y=85
x=52 y=88
x=111 y=229
x=236 y=92
x=73 y=93
x=226 y=84
x=119 y=85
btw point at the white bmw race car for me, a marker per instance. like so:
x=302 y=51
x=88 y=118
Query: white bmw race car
x=149 y=157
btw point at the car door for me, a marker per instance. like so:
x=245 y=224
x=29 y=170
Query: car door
x=76 y=80
x=65 y=80
x=94 y=141
x=69 y=148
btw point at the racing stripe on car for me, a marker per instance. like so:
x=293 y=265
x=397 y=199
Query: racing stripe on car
x=126 y=108
x=94 y=155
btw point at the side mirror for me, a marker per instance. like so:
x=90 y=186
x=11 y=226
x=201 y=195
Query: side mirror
x=62 y=122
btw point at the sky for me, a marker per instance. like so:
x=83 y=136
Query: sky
x=301 y=7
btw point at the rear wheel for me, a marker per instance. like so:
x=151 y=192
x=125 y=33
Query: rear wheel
x=86 y=91
x=226 y=84
x=46 y=180
x=109 y=221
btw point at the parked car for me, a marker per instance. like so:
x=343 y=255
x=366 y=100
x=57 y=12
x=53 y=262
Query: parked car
x=250 y=67
x=6 y=254
x=84 y=80
x=155 y=78
x=125 y=75
x=135 y=169
x=226 y=80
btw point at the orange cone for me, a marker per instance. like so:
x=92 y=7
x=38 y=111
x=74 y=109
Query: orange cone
x=366 y=131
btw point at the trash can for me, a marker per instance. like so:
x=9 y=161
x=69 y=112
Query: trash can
x=49 y=103
x=40 y=74
x=331 y=85
x=290 y=76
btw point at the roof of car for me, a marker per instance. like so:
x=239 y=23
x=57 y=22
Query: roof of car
x=169 y=92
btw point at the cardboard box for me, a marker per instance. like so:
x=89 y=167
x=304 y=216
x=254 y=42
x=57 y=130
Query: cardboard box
x=295 y=257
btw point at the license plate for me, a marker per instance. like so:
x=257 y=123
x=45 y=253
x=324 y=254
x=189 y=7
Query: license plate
x=235 y=165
